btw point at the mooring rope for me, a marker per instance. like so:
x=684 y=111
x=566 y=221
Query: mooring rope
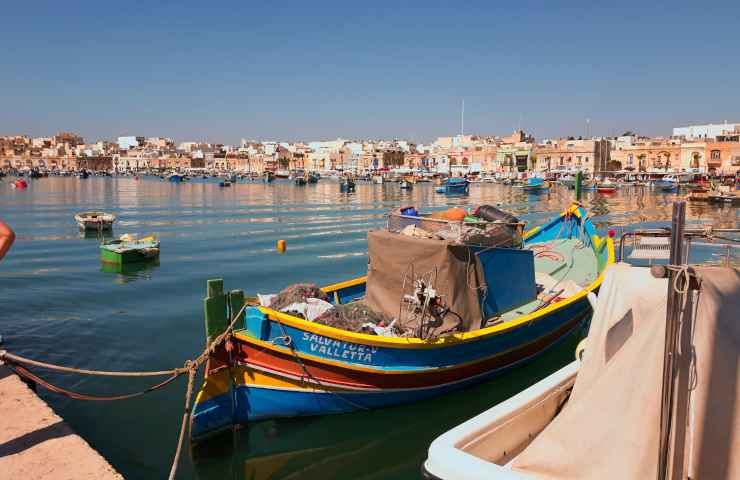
x=16 y=362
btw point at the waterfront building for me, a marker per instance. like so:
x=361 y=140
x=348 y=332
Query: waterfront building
x=572 y=155
x=705 y=132
x=723 y=155
x=128 y=142
x=514 y=157
x=693 y=157
x=645 y=154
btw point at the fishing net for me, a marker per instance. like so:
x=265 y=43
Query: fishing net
x=297 y=293
x=352 y=316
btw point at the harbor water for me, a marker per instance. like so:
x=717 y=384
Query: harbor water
x=61 y=306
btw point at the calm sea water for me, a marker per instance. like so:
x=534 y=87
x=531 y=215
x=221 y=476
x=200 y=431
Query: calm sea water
x=60 y=306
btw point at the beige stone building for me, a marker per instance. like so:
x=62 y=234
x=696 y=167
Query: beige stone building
x=571 y=155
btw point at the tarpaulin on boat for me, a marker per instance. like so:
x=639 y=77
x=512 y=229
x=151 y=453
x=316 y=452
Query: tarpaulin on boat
x=393 y=257
x=610 y=426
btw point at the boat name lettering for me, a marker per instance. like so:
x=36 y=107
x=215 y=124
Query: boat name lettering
x=338 y=349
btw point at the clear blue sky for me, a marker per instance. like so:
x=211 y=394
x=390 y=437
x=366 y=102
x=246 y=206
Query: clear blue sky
x=318 y=70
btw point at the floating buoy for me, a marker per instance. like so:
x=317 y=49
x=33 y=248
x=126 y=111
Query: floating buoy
x=281 y=246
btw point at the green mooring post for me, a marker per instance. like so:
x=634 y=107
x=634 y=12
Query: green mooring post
x=579 y=185
x=214 y=306
x=236 y=302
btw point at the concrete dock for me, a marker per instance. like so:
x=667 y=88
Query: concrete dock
x=35 y=443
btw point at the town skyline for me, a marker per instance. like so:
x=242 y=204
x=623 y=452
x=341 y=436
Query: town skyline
x=708 y=149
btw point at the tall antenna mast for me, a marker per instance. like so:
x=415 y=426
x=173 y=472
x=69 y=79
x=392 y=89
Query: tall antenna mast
x=462 y=119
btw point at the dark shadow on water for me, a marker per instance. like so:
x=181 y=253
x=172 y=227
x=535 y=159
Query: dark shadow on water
x=130 y=272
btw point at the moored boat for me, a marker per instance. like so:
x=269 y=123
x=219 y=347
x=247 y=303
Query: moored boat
x=536 y=185
x=93 y=220
x=347 y=185
x=638 y=373
x=282 y=365
x=175 y=178
x=20 y=183
x=454 y=186
x=406 y=185
x=568 y=181
x=607 y=186
x=129 y=250
x=725 y=197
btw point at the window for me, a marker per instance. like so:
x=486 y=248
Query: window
x=586 y=159
x=736 y=161
x=715 y=155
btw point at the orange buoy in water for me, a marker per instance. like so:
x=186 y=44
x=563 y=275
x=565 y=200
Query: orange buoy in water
x=281 y=246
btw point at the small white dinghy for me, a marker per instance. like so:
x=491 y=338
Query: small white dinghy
x=97 y=221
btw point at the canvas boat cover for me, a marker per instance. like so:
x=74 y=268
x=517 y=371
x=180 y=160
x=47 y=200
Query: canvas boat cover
x=393 y=257
x=610 y=426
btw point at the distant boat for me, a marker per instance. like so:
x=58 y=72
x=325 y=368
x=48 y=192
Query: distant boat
x=724 y=197
x=536 y=185
x=568 y=181
x=176 y=178
x=225 y=183
x=669 y=187
x=607 y=186
x=129 y=250
x=93 y=220
x=83 y=174
x=347 y=185
x=300 y=181
x=406 y=185
x=269 y=177
x=454 y=186
x=312 y=178
x=20 y=183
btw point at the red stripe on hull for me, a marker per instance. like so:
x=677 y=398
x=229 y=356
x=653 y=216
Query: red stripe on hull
x=285 y=363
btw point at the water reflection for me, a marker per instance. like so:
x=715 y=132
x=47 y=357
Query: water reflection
x=130 y=272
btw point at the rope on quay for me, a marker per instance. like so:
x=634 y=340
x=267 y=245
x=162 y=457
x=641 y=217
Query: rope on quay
x=16 y=364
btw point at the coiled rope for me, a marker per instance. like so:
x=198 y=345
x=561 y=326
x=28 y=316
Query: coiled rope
x=16 y=364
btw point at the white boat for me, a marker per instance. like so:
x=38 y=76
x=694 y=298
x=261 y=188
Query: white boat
x=600 y=419
x=93 y=220
x=378 y=179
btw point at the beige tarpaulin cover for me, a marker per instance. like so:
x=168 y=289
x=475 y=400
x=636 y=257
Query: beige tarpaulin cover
x=392 y=256
x=610 y=426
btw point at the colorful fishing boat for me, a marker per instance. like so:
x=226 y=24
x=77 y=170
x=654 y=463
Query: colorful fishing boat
x=20 y=184
x=97 y=221
x=536 y=185
x=454 y=186
x=530 y=298
x=127 y=250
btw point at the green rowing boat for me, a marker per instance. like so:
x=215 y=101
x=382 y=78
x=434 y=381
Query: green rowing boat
x=121 y=252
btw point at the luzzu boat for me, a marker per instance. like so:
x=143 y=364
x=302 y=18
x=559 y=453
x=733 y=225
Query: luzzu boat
x=455 y=186
x=280 y=365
